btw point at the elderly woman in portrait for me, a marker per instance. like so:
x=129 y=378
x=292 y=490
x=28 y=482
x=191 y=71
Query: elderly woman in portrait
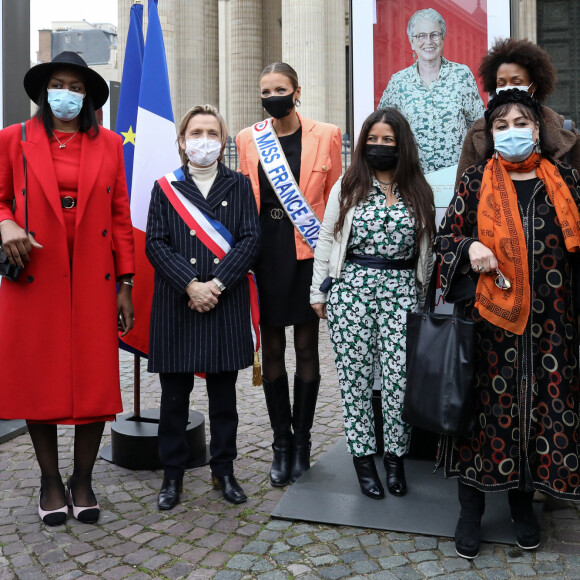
x=200 y=320
x=506 y=246
x=523 y=65
x=438 y=97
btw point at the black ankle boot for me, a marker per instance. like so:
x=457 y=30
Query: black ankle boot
x=395 y=468
x=278 y=402
x=468 y=537
x=305 y=396
x=468 y=530
x=526 y=525
x=368 y=478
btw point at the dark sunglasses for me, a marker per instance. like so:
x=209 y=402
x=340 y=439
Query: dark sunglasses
x=501 y=281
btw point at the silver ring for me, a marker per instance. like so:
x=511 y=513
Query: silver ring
x=480 y=268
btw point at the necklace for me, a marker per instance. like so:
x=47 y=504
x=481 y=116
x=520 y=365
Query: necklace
x=63 y=145
x=384 y=185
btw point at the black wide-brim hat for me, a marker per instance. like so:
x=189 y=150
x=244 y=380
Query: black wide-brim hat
x=36 y=79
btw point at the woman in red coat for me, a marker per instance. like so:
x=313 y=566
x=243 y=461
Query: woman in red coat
x=58 y=321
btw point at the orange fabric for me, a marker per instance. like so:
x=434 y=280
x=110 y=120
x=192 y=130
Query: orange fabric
x=320 y=168
x=500 y=228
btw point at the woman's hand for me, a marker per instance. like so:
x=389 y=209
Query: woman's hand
x=16 y=243
x=203 y=296
x=125 y=307
x=482 y=258
x=320 y=309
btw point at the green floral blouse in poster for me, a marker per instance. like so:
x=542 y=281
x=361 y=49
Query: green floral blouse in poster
x=439 y=114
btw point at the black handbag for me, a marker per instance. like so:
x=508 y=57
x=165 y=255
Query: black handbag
x=8 y=270
x=440 y=371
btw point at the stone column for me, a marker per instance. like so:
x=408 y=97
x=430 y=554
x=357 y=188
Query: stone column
x=272 y=41
x=335 y=64
x=196 y=62
x=246 y=62
x=304 y=48
x=225 y=65
x=526 y=20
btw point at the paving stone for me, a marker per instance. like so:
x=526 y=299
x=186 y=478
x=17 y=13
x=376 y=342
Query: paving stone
x=241 y=561
x=299 y=569
x=325 y=559
x=421 y=556
x=393 y=561
x=284 y=558
x=350 y=557
x=402 y=547
x=364 y=567
x=300 y=540
x=228 y=575
x=334 y=572
x=261 y=565
x=455 y=564
x=519 y=570
x=487 y=561
x=256 y=547
x=406 y=573
x=495 y=573
x=380 y=551
x=274 y=575
x=430 y=569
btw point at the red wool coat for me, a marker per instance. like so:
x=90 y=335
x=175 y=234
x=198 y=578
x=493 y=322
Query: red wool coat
x=58 y=339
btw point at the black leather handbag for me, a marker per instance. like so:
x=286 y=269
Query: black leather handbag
x=8 y=270
x=440 y=369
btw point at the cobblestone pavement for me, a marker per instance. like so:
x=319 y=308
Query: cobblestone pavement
x=204 y=537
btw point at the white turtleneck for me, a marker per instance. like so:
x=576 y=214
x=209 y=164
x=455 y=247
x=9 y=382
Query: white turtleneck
x=203 y=177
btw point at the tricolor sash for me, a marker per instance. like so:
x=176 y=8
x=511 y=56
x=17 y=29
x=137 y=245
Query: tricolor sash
x=213 y=235
x=283 y=183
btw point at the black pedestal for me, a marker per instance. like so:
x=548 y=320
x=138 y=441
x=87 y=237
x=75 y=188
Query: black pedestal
x=11 y=428
x=135 y=444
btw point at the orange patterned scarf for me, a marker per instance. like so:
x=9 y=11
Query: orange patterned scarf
x=500 y=228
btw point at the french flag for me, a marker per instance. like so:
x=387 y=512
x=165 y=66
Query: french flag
x=155 y=155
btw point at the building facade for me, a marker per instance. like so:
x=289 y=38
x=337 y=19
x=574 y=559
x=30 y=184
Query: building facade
x=216 y=50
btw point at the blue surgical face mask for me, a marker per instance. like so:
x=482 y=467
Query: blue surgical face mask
x=514 y=144
x=65 y=104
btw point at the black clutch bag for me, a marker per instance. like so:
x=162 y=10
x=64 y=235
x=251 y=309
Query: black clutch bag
x=8 y=270
x=440 y=371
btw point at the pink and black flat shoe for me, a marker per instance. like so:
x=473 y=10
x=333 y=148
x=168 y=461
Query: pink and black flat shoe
x=53 y=517
x=86 y=515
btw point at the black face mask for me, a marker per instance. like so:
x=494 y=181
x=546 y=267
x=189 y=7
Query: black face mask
x=382 y=157
x=279 y=107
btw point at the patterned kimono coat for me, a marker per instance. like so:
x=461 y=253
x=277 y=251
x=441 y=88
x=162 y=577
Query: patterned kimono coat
x=525 y=406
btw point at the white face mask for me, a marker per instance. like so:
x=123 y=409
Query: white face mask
x=498 y=90
x=202 y=151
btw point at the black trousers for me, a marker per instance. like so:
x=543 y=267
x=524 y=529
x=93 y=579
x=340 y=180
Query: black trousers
x=223 y=422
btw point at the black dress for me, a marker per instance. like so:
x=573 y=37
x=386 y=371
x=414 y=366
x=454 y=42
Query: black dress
x=283 y=281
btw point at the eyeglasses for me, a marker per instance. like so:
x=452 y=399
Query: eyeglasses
x=501 y=281
x=435 y=36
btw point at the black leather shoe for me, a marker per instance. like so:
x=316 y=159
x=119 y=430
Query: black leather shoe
x=395 y=468
x=168 y=496
x=467 y=537
x=231 y=489
x=368 y=478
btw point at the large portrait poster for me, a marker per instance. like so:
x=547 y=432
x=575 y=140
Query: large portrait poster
x=388 y=70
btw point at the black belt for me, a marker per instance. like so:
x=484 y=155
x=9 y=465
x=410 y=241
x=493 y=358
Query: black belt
x=68 y=202
x=381 y=263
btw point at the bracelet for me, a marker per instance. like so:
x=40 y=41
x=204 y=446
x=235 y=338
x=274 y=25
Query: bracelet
x=129 y=283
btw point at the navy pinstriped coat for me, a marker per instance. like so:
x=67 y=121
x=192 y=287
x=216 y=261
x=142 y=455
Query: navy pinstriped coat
x=183 y=340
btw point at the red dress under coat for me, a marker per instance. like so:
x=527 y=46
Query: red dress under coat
x=58 y=340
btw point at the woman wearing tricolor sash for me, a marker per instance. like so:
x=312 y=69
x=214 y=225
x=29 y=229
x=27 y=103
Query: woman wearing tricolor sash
x=292 y=162
x=202 y=238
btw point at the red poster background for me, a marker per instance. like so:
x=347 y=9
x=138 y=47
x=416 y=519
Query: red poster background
x=465 y=39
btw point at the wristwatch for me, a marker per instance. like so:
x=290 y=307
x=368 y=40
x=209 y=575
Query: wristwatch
x=221 y=286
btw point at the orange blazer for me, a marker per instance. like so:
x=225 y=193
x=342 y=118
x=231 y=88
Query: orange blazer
x=320 y=168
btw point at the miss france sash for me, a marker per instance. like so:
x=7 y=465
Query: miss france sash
x=213 y=235
x=283 y=183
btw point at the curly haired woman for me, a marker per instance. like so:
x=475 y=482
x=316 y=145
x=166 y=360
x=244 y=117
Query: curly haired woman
x=520 y=64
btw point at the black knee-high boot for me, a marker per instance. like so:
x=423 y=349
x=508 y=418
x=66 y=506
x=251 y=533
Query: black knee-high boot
x=468 y=530
x=305 y=397
x=277 y=395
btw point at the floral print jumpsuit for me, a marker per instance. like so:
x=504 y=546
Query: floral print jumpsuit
x=366 y=311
